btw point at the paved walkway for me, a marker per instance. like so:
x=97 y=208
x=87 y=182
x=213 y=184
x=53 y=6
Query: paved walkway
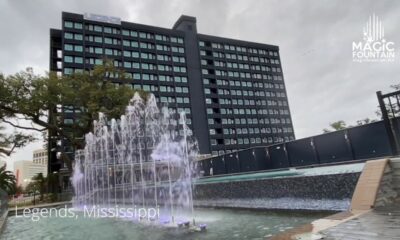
x=381 y=223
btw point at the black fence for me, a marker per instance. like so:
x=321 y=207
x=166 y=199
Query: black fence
x=373 y=140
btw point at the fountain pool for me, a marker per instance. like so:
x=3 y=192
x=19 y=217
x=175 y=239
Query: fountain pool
x=224 y=224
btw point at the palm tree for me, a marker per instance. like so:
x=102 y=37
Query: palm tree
x=40 y=182
x=7 y=180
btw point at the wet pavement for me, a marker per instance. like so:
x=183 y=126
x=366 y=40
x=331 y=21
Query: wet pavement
x=381 y=223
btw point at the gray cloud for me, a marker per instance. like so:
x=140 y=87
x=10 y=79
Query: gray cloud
x=314 y=37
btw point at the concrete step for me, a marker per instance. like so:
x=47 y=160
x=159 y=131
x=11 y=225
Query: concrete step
x=395 y=163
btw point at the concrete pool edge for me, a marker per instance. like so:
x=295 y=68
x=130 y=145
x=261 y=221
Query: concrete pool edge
x=367 y=195
x=3 y=220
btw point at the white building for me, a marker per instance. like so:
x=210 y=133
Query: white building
x=25 y=170
x=40 y=156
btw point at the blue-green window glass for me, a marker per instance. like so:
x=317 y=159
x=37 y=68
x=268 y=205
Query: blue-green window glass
x=68 y=121
x=127 y=54
x=98 y=50
x=142 y=35
x=78 y=60
x=68 y=24
x=98 y=61
x=134 y=34
x=146 y=87
x=68 y=71
x=164 y=99
x=134 y=44
x=126 y=43
x=78 y=25
x=127 y=64
x=78 y=37
x=107 y=30
x=98 y=28
x=144 y=55
x=143 y=45
x=98 y=39
x=145 y=77
x=135 y=65
x=108 y=40
x=136 y=76
x=68 y=35
x=125 y=32
x=78 y=48
x=108 y=51
x=68 y=47
x=68 y=59
x=135 y=54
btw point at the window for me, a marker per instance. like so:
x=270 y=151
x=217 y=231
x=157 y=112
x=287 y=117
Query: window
x=68 y=59
x=78 y=37
x=68 y=24
x=78 y=25
x=79 y=60
x=78 y=48
x=68 y=35
x=98 y=28
x=68 y=47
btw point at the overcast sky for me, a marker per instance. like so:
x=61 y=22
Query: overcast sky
x=315 y=40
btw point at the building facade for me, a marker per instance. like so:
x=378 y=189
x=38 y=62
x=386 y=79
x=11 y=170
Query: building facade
x=25 y=170
x=232 y=91
x=40 y=156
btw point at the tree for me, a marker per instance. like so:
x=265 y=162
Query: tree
x=338 y=125
x=7 y=180
x=42 y=99
x=365 y=121
x=40 y=183
x=8 y=143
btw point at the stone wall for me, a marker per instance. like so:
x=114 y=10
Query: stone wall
x=323 y=192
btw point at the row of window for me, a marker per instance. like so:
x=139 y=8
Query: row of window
x=125 y=32
x=251 y=120
x=244 y=75
x=235 y=65
x=242 y=111
x=240 y=131
x=150 y=66
x=135 y=54
x=233 y=83
x=247 y=102
x=234 y=92
x=174 y=100
x=240 y=74
x=238 y=48
x=235 y=56
x=242 y=141
x=225 y=101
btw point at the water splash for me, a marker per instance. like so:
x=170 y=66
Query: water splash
x=143 y=159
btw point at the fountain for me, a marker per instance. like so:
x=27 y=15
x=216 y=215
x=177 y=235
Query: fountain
x=144 y=159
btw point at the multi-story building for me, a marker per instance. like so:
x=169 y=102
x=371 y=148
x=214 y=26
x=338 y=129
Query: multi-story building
x=25 y=170
x=40 y=156
x=233 y=91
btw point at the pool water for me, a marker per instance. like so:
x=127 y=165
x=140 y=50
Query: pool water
x=221 y=224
